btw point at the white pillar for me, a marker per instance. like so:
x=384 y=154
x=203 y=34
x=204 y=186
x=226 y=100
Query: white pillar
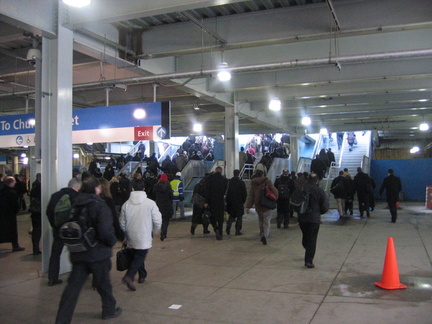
x=56 y=135
x=294 y=149
x=231 y=140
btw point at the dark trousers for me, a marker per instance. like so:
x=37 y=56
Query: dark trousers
x=54 y=262
x=217 y=220
x=37 y=230
x=349 y=204
x=137 y=265
x=238 y=219
x=77 y=278
x=165 y=223
x=363 y=204
x=283 y=218
x=393 y=209
x=310 y=235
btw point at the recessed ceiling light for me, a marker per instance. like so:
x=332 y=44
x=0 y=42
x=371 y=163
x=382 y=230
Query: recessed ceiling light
x=423 y=100
x=77 y=3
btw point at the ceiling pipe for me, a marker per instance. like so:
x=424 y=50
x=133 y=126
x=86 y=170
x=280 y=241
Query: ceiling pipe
x=349 y=59
x=206 y=29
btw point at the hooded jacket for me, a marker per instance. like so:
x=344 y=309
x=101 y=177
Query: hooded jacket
x=258 y=184
x=138 y=218
x=102 y=221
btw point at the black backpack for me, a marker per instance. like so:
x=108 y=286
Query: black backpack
x=299 y=200
x=284 y=192
x=78 y=234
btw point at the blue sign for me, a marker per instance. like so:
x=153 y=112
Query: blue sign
x=19 y=140
x=17 y=124
x=161 y=132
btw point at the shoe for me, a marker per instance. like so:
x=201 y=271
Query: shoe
x=37 y=252
x=228 y=230
x=18 y=249
x=128 y=282
x=393 y=221
x=117 y=313
x=238 y=233
x=141 y=280
x=192 y=231
x=286 y=226
x=278 y=225
x=218 y=236
x=52 y=282
x=206 y=231
x=163 y=237
x=309 y=265
x=263 y=240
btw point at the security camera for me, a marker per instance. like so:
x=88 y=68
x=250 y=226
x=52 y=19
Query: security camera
x=32 y=55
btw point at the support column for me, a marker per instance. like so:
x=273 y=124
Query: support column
x=231 y=140
x=56 y=122
x=294 y=149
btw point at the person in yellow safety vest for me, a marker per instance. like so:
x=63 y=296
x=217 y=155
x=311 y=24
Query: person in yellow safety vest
x=178 y=197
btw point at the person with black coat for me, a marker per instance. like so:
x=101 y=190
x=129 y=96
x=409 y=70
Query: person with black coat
x=36 y=213
x=392 y=185
x=198 y=211
x=9 y=208
x=286 y=186
x=310 y=221
x=339 y=188
x=96 y=260
x=318 y=167
x=215 y=192
x=235 y=198
x=57 y=246
x=163 y=197
x=363 y=187
x=349 y=201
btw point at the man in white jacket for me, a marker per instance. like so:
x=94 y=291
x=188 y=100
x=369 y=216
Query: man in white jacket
x=139 y=217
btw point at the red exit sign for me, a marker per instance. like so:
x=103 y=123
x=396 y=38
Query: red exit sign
x=143 y=133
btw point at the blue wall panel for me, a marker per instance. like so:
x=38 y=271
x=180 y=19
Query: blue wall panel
x=415 y=175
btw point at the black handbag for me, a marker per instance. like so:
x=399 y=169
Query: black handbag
x=124 y=258
x=206 y=217
x=198 y=200
x=265 y=202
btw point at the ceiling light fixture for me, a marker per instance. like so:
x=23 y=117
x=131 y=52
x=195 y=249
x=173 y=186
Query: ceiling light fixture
x=306 y=121
x=77 y=3
x=197 y=127
x=424 y=126
x=196 y=107
x=224 y=73
x=415 y=150
x=275 y=104
x=324 y=131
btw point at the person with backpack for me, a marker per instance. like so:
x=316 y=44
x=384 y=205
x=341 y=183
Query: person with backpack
x=258 y=184
x=95 y=220
x=61 y=202
x=285 y=185
x=339 y=188
x=310 y=218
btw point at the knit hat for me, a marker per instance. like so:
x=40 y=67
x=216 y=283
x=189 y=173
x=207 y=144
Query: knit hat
x=163 y=177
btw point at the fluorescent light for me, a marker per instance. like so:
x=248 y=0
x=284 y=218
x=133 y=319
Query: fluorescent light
x=423 y=100
x=197 y=127
x=224 y=74
x=89 y=143
x=77 y=3
x=306 y=121
x=139 y=113
x=424 y=126
x=275 y=104
x=75 y=155
x=414 y=150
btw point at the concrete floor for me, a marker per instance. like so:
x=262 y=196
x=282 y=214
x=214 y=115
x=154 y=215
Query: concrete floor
x=239 y=280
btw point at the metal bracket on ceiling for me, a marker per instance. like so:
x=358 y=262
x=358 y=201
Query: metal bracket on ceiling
x=333 y=12
x=206 y=29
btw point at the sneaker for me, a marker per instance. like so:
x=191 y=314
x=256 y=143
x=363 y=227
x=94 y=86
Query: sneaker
x=117 y=313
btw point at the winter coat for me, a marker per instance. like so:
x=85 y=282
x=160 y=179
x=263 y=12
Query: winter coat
x=55 y=197
x=197 y=212
x=258 y=184
x=236 y=196
x=101 y=220
x=318 y=204
x=392 y=185
x=140 y=217
x=117 y=230
x=215 y=191
x=362 y=184
x=343 y=194
x=9 y=208
x=164 y=197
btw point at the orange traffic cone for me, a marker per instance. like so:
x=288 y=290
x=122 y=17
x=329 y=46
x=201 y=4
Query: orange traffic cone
x=390 y=276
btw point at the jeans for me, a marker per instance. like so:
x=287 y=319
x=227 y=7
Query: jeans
x=137 y=265
x=77 y=278
x=309 y=240
x=54 y=262
x=180 y=204
x=264 y=222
